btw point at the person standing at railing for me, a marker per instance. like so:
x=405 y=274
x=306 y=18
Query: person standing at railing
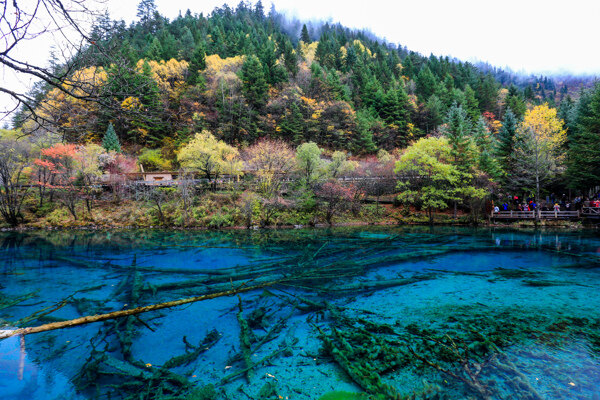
x=556 y=207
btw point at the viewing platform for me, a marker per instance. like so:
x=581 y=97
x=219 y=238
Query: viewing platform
x=585 y=212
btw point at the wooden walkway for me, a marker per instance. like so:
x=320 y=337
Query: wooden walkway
x=585 y=212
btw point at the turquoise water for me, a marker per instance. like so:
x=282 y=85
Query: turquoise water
x=443 y=313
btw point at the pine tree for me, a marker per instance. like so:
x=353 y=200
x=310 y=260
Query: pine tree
x=259 y=10
x=110 y=142
x=506 y=142
x=458 y=132
x=364 y=143
x=155 y=50
x=290 y=58
x=435 y=113
x=197 y=63
x=188 y=44
x=471 y=104
x=485 y=143
x=426 y=83
x=292 y=124
x=583 y=161
x=515 y=102
x=254 y=83
x=146 y=10
x=304 y=36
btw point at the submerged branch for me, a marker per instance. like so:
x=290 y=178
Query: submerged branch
x=125 y=313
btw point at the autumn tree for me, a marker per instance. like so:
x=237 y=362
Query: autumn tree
x=210 y=156
x=538 y=153
x=271 y=161
x=377 y=175
x=336 y=197
x=61 y=160
x=339 y=165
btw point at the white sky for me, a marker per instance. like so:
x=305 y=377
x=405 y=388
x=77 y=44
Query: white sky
x=534 y=36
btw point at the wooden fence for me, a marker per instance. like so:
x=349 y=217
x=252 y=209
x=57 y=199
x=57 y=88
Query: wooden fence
x=532 y=214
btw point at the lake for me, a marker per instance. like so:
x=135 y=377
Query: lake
x=344 y=313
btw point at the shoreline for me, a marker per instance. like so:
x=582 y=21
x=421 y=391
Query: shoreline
x=92 y=227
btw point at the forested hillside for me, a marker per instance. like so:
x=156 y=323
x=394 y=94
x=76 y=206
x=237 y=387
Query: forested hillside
x=243 y=75
x=240 y=92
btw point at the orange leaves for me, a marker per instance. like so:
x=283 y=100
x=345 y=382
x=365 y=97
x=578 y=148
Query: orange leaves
x=59 y=151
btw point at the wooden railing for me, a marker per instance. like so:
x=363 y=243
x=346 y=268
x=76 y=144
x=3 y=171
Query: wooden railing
x=590 y=211
x=554 y=214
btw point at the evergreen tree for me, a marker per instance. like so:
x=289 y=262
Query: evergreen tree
x=426 y=83
x=583 y=161
x=254 y=84
x=146 y=10
x=292 y=124
x=394 y=109
x=487 y=93
x=515 y=102
x=304 y=36
x=188 y=44
x=290 y=58
x=155 y=50
x=259 y=10
x=471 y=104
x=506 y=142
x=434 y=113
x=110 y=141
x=364 y=143
x=197 y=63
x=458 y=132
x=485 y=143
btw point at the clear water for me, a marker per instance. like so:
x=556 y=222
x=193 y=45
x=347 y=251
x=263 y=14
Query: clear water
x=442 y=313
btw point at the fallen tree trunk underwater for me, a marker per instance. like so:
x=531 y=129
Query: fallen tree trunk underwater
x=125 y=313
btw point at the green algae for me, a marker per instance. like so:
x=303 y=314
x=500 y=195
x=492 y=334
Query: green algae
x=343 y=396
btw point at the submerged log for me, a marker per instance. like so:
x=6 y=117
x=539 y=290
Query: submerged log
x=134 y=311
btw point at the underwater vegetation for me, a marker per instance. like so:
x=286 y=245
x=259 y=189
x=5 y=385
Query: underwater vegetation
x=350 y=314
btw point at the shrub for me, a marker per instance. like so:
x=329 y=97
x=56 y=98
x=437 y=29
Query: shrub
x=153 y=160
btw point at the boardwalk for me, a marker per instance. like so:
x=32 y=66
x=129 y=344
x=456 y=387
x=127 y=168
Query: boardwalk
x=585 y=212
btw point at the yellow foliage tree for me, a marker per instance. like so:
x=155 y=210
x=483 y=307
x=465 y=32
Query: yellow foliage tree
x=169 y=75
x=538 y=148
x=546 y=126
x=210 y=156
x=221 y=72
x=74 y=117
